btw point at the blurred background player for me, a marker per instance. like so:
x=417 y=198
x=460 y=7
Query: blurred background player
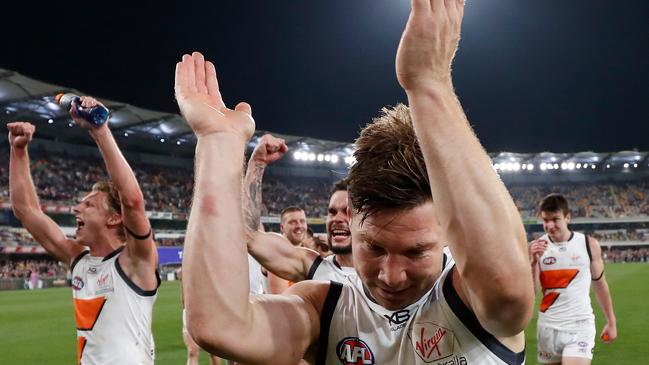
x=113 y=257
x=567 y=264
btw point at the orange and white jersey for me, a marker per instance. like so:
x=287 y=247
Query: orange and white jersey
x=112 y=314
x=565 y=280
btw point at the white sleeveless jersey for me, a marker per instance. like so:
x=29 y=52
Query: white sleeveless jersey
x=565 y=280
x=328 y=269
x=255 y=277
x=113 y=315
x=438 y=329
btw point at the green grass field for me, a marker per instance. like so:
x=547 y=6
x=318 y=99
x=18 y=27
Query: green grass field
x=37 y=327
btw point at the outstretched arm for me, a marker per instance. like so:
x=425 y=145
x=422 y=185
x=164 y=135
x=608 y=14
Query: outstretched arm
x=484 y=228
x=602 y=293
x=276 y=329
x=24 y=200
x=140 y=257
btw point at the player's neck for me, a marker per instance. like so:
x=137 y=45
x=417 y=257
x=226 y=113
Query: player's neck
x=106 y=246
x=345 y=260
x=562 y=237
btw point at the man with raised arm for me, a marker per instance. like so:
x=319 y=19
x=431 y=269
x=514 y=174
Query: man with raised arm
x=404 y=307
x=274 y=251
x=113 y=258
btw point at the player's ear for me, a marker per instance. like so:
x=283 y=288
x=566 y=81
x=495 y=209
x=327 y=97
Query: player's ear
x=114 y=219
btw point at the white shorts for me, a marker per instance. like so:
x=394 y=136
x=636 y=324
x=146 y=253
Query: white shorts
x=553 y=344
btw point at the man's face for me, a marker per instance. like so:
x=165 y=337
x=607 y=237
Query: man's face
x=398 y=253
x=92 y=215
x=294 y=227
x=338 y=234
x=555 y=224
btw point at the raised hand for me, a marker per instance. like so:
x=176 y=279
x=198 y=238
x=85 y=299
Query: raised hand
x=428 y=43
x=537 y=248
x=20 y=133
x=86 y=102
x=200 y=102
x=269 y=149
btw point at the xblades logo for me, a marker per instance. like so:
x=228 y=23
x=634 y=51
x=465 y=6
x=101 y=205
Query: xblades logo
x=398 y=317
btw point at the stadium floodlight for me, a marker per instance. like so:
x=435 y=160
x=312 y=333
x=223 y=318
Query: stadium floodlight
x=297 y=155
x=125 y=134
x=70 y=124
x=334 y=158
x=178 y=143
x=162 y=140
x=311 y=156
x=556 y=166
x=571 y=165
x=516 y=166
x=578 y=166
x=327 y=158
x=593 y=166
x=497 y=166
x=626 y=165
x=564 y=166
x=524 y=166
x=585 y=165
x=530 y=167
x=50 y=121
x=608 y=166
x=635 y=165
x=320 y=157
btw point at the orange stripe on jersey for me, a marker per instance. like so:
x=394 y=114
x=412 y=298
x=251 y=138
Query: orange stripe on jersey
x=557 y=279
x=81 y=344
x=548 y=300
x=86 y=312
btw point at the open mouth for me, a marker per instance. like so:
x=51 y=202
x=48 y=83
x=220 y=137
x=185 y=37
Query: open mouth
x=80 y=223
x=340 y=234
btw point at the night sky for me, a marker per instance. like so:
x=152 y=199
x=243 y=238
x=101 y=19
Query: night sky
x=561 y=76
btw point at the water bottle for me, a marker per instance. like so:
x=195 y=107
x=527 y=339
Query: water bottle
x=96 y=115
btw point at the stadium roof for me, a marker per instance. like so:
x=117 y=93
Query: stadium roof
x=145 y=130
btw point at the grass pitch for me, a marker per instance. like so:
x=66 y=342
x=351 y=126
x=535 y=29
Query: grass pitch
x=37 y=327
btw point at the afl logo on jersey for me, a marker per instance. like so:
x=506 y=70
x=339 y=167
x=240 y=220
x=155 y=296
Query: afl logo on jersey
x=354 y=351
x=549 y=260
x=77 y=283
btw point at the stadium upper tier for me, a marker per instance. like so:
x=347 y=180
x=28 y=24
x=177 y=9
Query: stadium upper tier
x=62 y=180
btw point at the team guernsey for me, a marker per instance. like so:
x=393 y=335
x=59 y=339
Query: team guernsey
x=566 y=324
x=113 y=315
x=565 y=280
x=438 y=329
x=328 y=268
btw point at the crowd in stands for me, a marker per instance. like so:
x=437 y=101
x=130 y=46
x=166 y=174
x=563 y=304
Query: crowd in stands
x=61 y=179
x=588 y=200
x=12 y=237
x=24 y=268
x=636 y=254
